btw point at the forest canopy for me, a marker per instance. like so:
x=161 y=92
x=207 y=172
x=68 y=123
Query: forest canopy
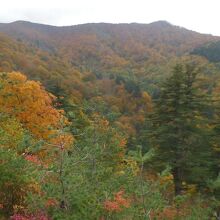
x=104 y=121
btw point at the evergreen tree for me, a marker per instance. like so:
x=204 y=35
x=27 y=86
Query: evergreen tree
x=180 y=127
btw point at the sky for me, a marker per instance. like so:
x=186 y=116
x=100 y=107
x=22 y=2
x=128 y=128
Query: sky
x=198 y=15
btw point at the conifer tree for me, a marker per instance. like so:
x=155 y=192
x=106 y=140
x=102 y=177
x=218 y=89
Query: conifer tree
x=180 y=127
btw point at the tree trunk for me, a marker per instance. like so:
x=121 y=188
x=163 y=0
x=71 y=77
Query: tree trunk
x=177 y=180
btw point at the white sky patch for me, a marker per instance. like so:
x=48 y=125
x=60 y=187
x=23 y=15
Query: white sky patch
x=199 y=15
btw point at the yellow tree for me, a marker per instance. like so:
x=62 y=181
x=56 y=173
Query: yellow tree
x=29 y=103
x=26 y=107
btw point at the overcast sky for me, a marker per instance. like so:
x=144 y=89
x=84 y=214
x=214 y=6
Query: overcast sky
x=199 y=15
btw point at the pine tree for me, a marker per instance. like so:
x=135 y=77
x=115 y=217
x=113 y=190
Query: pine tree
x=179 y=127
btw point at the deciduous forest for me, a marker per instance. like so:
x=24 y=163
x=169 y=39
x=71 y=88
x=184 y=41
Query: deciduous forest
x=109 y=122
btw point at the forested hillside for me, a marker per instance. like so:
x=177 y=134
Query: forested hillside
x=108 y=121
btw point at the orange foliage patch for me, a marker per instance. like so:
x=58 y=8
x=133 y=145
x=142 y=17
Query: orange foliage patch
x=51 y=202
x=118 y=203
x=29 y=102
x=33 y=158
x=123 y=142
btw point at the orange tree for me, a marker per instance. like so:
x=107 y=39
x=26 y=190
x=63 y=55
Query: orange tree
x=29 y=103
x=27 y=117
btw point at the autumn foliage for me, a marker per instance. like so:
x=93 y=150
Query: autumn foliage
x=29 y=103
x=89 y=131
x=118 y=203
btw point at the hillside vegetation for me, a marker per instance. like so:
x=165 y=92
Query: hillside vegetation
x=108 y=121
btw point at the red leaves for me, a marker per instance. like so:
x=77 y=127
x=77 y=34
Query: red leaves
x=34 y=159
x=118 y=203
x=39 y=216
x=51 y=203
x=122 y=143
x=167 y=213
x=112 y=206
x=120 y=200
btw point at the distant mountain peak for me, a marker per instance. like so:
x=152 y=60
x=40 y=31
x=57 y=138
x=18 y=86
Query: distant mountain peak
x=161 y=23
x=20 y=22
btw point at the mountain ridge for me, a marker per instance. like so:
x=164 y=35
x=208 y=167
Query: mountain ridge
x=100 y=49
x=146 y=35
x=157 y=22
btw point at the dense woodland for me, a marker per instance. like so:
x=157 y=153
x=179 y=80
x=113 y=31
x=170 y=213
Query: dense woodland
x=109 y=121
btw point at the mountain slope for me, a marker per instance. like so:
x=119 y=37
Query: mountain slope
x=100 y=49
x=112 y=67
x=137 y=51
x=109 y=45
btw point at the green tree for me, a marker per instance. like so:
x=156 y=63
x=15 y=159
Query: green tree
x=180 y=133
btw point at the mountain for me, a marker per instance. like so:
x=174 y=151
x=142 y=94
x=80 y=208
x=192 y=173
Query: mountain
x=101 y=48
x=110 y=44
x=108 y=128
x=112 y=69
x=66 y=55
